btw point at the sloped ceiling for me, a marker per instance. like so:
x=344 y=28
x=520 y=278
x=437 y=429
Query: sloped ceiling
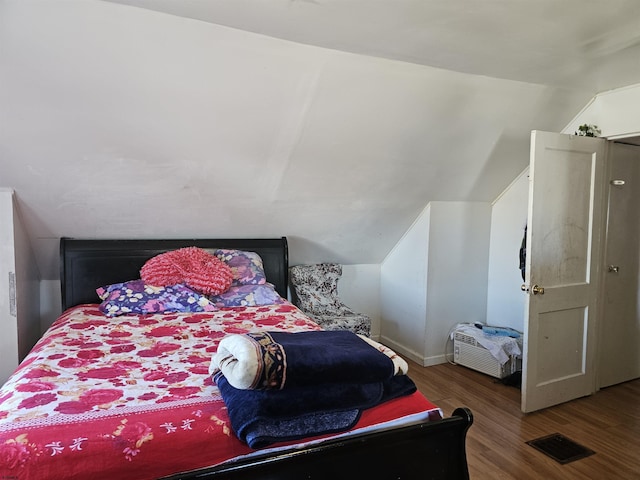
x=331 y=122
x=571 y=43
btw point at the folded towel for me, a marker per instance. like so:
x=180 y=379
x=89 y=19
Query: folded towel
x=262 y=417
x=273 y=359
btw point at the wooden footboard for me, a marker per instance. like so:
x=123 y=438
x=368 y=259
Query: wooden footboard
x=431 y=450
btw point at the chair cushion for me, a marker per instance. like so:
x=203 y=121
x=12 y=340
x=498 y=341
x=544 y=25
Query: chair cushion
x=357 y=323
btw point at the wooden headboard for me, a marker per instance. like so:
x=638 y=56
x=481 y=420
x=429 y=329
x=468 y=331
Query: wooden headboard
x=88 y=264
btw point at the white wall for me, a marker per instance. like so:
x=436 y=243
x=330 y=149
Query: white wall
x=614 y=112
x=403 y=290
x=505 y=300
x=457 y=271
x=435 y=278
x=359 y=288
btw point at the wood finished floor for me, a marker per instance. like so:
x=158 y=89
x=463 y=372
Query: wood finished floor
x=607 y=422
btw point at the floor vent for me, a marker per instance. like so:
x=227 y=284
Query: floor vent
x=560 y=448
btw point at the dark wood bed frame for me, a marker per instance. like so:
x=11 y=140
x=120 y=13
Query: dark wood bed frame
x=427 y=450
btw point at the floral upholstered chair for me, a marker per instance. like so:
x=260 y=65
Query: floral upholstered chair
x=314 y=290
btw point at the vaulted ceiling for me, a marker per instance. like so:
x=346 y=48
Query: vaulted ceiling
x=572 y=43
x=331 y=122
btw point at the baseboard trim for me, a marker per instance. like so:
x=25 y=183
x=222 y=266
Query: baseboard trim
x=412 y=354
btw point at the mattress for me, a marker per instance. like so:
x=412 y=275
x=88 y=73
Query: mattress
x=130 y=396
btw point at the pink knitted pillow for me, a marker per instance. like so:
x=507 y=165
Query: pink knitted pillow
x=192 y=266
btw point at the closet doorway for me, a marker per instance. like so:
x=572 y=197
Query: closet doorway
x=619 y=326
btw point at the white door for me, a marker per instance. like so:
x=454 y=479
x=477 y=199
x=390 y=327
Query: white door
x=562 y=268
x=618 y=352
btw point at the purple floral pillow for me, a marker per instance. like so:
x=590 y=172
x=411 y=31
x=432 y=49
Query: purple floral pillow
x=135 y=297
x=247 y=267
x=247 y=296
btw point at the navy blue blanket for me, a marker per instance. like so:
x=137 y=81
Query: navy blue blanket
x=262 y=417
x=276 y=359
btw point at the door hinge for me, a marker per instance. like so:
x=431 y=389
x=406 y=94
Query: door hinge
x=13 y=309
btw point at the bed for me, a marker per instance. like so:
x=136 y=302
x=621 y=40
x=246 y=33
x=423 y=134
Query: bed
x=130 y=396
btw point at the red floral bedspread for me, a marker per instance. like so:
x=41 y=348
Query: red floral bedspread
x=130 y=397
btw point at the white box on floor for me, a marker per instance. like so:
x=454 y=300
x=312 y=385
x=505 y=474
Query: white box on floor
x=469 y=353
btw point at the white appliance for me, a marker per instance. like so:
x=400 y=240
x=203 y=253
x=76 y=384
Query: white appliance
x=469 y=353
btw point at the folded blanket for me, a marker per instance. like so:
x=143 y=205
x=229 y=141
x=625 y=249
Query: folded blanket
x=273 y=359
x=262 y=417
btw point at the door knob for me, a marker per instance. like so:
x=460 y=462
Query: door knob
x=537 y=290
x=614 y=268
